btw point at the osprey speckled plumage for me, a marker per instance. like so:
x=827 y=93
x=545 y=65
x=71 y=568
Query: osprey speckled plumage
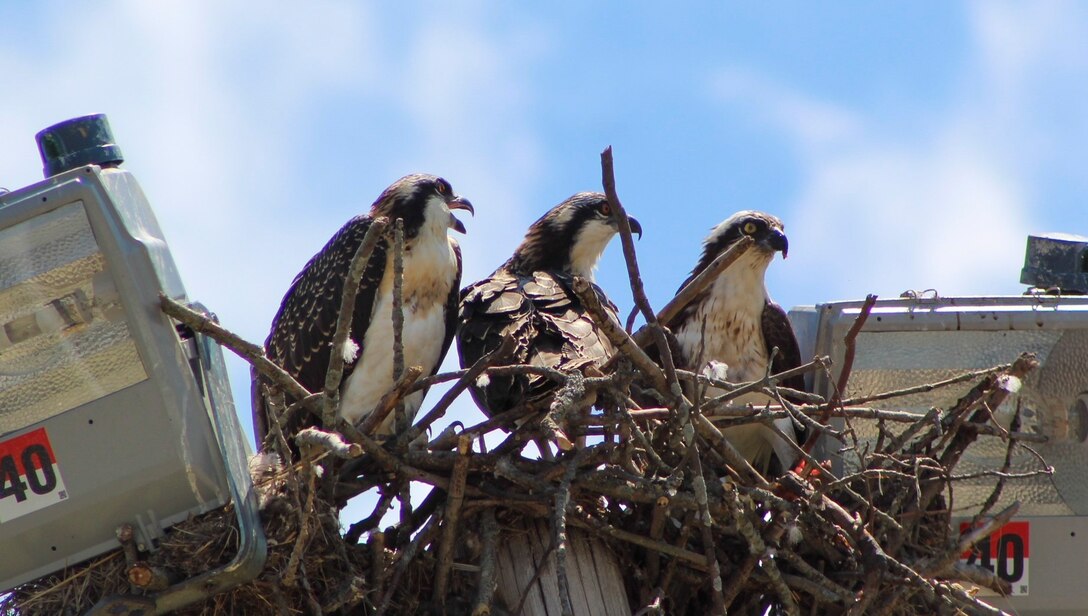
x=530 y=299
x=302 y=331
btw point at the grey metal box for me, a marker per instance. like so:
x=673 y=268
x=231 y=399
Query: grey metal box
x=907 y=342
x=88 y=360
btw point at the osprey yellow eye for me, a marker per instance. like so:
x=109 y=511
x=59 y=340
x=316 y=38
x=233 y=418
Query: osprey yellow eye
x=441 y=186
x=749 y=228
x=606 y=209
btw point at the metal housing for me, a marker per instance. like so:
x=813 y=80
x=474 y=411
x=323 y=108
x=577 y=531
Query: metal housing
x=158 y=447
x=907 y=342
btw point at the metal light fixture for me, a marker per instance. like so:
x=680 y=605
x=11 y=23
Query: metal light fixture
x=925 y=338
x=109 y=413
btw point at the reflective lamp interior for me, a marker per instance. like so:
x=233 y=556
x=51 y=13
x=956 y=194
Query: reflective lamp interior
x=63 y=336
x=1050 y=403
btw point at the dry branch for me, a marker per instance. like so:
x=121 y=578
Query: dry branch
x=246 y=350
x=638 y=291
x=693 y=289
x=358 y=265
x=401 y=420
x=329 y=441
x=452 y=517
x=391 y=399
x=619 y=338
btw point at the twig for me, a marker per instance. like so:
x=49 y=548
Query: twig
x=739 y=389
x=707 y=528
x=647 y=447
x=722 y=445
x=758 y=550
x=404 y=497
x=657 y=527
x=294 y=564
x=969 y=539
x=451 y=519
x=671 y=569
x=378 y=568
x=489 y=531
x=402 y=420
x=700 y=283
x=690 y=291
x=995 y=494
x=407 y=555
x=801 y=565
x=356 y=530
x=978 y=576
x=693 y=559
x=849 y=344
x=335 y=372
x=276 y=440
x=990 y=393
x=924 y=388
x=559 y=532
x=467 y=377
x=441 y=377
x=329 y=441
x=616 y=334
x=391 y=399
x=246 y=350
x=638 y=292
x=394 y=464
x=447 y=441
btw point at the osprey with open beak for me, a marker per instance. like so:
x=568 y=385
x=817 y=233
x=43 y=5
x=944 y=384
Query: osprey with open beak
x=302 y=331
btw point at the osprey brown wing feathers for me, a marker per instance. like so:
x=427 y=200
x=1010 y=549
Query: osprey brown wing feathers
x=546 y=319
x=777 y=332
x=530 y=299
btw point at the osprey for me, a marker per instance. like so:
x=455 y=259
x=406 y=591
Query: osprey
x=303 y=329
x=529 y=298
x=734 y=322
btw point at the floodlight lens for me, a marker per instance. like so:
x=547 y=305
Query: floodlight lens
x=64 y=340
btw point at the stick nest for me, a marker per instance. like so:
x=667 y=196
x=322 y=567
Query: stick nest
x=695 y=529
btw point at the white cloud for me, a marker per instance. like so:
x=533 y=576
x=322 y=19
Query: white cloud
x=813 y=123
x=890 y=219
x=947 y=205
x=203 y=141
x=1019 y=44
x=469 y=98
x=210 y=101
x=206 y=100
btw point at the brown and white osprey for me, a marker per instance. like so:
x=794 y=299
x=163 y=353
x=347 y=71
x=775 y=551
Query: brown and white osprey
x=742 y=325
x=529 y=298
x=302 y=331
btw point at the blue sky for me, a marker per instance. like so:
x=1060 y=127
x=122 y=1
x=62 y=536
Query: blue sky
x=905 y=145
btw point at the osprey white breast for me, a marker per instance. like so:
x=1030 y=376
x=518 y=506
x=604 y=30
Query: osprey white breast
x=430 y=269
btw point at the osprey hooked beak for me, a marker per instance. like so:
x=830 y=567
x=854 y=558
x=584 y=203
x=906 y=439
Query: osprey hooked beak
x=458 y=202
x=776 y=240
x=636 y=227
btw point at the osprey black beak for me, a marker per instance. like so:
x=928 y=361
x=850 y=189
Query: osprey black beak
x=776 y=240
x=458 y=202
x=636 y=227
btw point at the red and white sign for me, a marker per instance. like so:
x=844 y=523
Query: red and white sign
x=1005 y=552
x=29 y=475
